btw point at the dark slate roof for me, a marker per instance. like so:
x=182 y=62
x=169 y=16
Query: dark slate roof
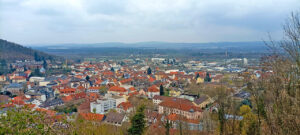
x=200 y=100
x=14 y=85
x=114 y=117
x=50 y=78
x=243 y=94
x=53 y=102
x=33 y=93
x=64 y=77
x=52 y=83
x=74 y=79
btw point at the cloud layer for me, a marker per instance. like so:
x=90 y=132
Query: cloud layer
x=90 y=21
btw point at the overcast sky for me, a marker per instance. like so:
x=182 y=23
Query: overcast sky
x=91 y=21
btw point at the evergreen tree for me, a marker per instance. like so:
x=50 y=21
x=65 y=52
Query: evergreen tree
x=161 y=90
x=45 y=65
x=207 y=78
x=11 y=68
x=197 y=76
x=87 y=78
x=36 y=72
x=167 y=93
x=36 y=57
x=167 y=126
x=149 y=71
x=138 y=122
x=112 y=69
x=25 y=68
x=221 y=114
x=3 y=67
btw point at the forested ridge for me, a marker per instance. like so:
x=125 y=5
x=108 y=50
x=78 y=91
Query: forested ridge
x=10 y=51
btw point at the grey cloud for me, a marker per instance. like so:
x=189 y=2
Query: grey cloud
x=63 y=21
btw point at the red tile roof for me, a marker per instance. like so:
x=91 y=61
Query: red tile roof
x=117 y=89
x=19 y=78
x=132 y=89
x=92 y=96
x=125 y=105
x=18 y=100
x=185 y=106
x=201 y=74
x=67 y=90
x=30 y=105
x=153 y=88
x=92 y=116
x=94 y=88
x=151 y=79
x=177 y=73
x=67 y=98
x=126 y=81
x=98 y=81
x=48 y=112
x=78 y=95
x=175 y=117
x=133 y=93
x=7 y=105
x=27 y=72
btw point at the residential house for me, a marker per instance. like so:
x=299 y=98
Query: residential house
x=92 y=116
x=203 y=101
x=117 y=90
x=34 y=102
x=125 y=107
x=18 y=79
x=158 y=99
x=152 y=117
x=119 y=99
x=92 y=96
x=180 y=107
x=152 y=91
x=190 y=124
x=93 y=90
x=2 y=78
x=67 y=91
x=14 y=88
x=52 y=103
x=35 y=95
x=115 y=118
x=84 y=107
x=174 y=93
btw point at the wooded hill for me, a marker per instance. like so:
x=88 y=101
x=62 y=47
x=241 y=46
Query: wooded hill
x=10 y=51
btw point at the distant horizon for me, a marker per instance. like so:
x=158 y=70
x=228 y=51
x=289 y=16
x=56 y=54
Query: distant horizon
x=130 y=43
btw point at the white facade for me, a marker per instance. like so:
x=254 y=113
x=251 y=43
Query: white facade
x=245 y=61
x=36 y=79
x=152 y=94
x=43 y=83
x=103 y=105
x=118 y=99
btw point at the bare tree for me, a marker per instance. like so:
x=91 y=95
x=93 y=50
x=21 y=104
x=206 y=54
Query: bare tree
x=279 y=103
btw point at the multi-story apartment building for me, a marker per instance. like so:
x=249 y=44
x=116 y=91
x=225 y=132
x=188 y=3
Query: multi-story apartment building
x=101 y=106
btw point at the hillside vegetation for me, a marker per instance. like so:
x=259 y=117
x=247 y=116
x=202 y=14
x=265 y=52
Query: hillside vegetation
x=11 y=51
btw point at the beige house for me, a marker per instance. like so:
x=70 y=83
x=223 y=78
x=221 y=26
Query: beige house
x=2 y=78
x=184 y=108
x=202 y=101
